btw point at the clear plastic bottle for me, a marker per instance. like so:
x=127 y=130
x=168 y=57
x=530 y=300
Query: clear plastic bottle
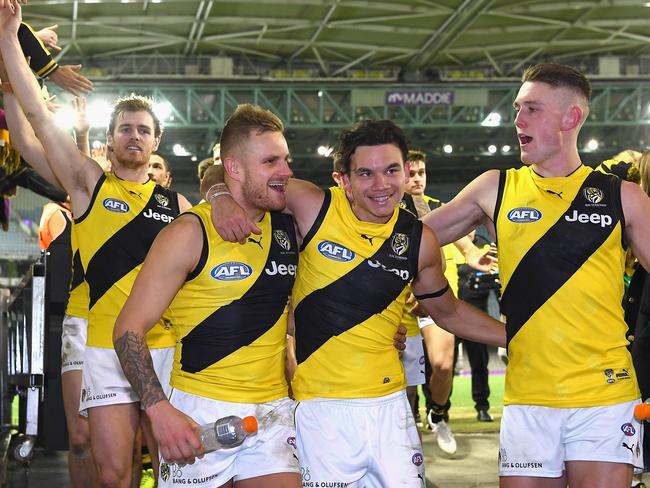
x=227 y=432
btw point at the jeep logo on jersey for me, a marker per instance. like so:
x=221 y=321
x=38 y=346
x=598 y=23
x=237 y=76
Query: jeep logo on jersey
x=335 y=252
x=231 y=271
x=593 y=218
x=115 y=205
x=162 y=199
x=593 y=195
x=282 y=238
x=399 y=243
x=524 y=215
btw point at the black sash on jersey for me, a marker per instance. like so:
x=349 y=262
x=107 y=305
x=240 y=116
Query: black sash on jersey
x=358 y=295
x=243 y=321
x=129 y=246
x=560 y=252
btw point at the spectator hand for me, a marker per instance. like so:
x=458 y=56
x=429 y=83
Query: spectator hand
x=486 y=261
x=67 y=78
x=49 y=37
x=81 y=123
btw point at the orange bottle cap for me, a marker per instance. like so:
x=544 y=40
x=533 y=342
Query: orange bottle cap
x=250 y=424
x=642 y=412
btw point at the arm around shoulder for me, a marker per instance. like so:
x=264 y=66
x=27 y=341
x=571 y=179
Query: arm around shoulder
x=432 y=290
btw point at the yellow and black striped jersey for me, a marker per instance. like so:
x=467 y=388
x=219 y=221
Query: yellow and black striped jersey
x=78 y=296
x=114 y=236
x=561 y=260
x=231 y=313
x=351 y=287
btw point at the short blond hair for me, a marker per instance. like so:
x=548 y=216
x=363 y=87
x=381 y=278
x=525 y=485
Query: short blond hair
x=246 y=119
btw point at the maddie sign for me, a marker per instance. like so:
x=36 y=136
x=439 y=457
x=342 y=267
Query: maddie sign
x=419 y=98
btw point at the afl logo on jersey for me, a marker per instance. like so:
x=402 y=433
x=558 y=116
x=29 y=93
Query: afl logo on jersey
x=524 y=215
x=115 y=205
x=628 y=429
x=282 y=238
x=417 y=459
x=231 y=271
x=335 y=252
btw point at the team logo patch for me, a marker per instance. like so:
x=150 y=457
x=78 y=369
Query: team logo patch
x=335 y=252
x=628 y=429
x=593 y=195
x=162 y=199
x=164 y=471
x=400 y=243
x=524 y=215
x=282 y=238
x=417 y=459
x=231 y=271
x=115 y=205
x=609 y=375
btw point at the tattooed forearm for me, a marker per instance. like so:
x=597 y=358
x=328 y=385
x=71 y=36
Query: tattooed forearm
x=132 y=350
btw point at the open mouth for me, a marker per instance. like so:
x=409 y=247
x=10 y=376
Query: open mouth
x=524 y=139
x=279 y=187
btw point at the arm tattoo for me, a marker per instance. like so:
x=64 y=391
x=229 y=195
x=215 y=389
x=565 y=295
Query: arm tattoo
x=136 y=362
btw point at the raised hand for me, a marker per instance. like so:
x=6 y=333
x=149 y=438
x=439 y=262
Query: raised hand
x=49 y=37
x=71 y=81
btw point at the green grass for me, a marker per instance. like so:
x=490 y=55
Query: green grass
x=462 y=416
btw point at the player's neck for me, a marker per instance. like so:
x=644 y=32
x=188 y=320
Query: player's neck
x=137 y=175
x=561 y=165
x=254 y=213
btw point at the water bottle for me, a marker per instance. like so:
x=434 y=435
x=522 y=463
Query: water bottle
x=227 y=432
x=642 y=411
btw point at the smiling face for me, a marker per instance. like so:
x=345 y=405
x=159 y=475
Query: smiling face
x=375 y=183
x=263 y=171
x=132 y=141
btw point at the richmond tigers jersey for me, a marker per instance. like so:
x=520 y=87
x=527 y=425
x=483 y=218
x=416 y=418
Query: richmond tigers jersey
x=450 y=252
x=231 y=314
x=78 y=296
x=114 y=236
x=348 y=298
x=561 y=263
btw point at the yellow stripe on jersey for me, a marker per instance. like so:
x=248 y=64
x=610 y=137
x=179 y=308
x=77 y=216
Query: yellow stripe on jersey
x=561 y=265
x=351 y=287
x=114 y=236
x=231 y=314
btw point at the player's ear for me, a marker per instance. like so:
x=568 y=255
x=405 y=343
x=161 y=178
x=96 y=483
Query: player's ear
x=232 y=167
